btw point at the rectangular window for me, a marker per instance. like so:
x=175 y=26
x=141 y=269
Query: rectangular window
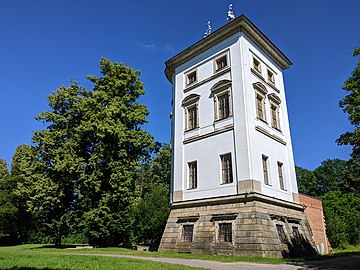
x=223 y=106
x=191 y=78
x=281 y=177
x=296 y=233
x=192 y=117
x=260 y=105
x=225 y=232
x=265 y=169
x=256 y=65
x=226 y=168
x=271 y=76
x=192 y=175
x=281 y=233
x=275 y=116
x=220 y=63
x=187 y=233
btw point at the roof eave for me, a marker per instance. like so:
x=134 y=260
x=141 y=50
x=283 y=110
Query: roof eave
x=240 y=24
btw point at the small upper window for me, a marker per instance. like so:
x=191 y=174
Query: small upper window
x=191 y=77
x=271 y=76
x=221 y=63
x=256 y=65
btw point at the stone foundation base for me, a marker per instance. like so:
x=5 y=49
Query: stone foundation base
x=241 y=225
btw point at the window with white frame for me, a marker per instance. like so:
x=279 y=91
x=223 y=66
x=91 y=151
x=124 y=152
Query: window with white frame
x=191 y=77
x=222 y=99
x=226 y=169
x=281 y=175
x=221 y=63
x=265 y=169
x=190 y=105
x=256 y=65
x=260 y=93
x=192 y=175
x=275 y=110
x=270 y=76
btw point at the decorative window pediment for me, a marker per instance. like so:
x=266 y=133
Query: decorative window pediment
x=274 y=98
x=193 y=98
x=260 y=87
x=221 y=86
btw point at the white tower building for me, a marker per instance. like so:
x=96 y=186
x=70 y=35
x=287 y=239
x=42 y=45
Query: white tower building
x=233 y=186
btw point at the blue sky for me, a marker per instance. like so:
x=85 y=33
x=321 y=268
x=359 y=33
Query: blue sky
x=43 y=44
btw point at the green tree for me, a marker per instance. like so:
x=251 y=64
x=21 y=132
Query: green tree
x=307 y=182
x=3 y=168
x=152 y=209
x=351 y=105
x=113 y=121
x=331 y=176
x=342 y=214
x=88 y=156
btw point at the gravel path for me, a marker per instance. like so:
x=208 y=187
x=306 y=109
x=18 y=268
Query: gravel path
x=348 y=262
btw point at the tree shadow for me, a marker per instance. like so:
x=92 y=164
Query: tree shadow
x=348 y=260
x=299 y=246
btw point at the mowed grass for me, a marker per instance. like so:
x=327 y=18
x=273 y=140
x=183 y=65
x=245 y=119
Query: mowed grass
x=46 y=257
x=124 y=251
x=32 y=257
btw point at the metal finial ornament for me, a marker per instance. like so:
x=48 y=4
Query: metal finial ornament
x=231 y=14
x=208 y=31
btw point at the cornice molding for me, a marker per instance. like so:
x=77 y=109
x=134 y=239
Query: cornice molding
x=240 y=24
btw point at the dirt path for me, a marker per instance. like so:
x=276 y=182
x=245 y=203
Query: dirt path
x=348 y=262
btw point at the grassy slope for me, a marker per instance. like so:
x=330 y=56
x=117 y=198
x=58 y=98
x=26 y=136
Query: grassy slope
x=28 y=258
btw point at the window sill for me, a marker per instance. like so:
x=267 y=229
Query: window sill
x=258 y=75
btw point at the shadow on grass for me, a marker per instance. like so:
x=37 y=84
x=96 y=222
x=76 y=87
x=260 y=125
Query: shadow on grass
x=56 y=247
x=346 y=260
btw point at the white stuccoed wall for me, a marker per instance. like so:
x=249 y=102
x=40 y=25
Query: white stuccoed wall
x=245 y=144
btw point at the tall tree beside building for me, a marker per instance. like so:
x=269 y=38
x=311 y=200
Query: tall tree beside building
x=88 y=156
x=3 y=168
x=351 y=105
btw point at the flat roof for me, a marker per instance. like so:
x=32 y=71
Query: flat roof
x=240 y=24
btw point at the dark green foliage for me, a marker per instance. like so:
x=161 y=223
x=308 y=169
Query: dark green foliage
x=351 y=105
x=3 y=168
x=342 y=213
x=331 y=175
x=151 y=215
x=152 y=210
x=307 y=182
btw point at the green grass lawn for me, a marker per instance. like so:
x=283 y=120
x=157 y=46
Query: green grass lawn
x=46 y=257
x=30 y=257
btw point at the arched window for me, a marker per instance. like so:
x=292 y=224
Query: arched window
x=222 y=99
x=190 y=104
x=260 y=93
